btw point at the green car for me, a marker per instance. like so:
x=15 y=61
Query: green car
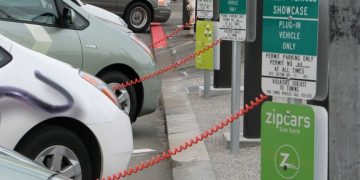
x=64 y=30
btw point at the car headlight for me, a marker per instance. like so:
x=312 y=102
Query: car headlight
x=99 y=84
x=163 y=2
x=140 y=43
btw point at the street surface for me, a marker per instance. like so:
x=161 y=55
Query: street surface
x=150 y=138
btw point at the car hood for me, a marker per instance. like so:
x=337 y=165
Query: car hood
x=105 y=15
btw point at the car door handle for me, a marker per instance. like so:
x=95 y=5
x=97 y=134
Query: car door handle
x=32 y=100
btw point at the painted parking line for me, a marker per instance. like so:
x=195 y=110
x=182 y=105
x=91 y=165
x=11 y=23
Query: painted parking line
x=157 y=34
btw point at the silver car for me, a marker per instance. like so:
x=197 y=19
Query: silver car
x=137 y=13
x=16 y=166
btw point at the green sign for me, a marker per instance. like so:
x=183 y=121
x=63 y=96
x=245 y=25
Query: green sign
x=287 y=141
x=204 y=38
x=232 y=24
x=233 y=7
x=290 y=37
x=290 y=48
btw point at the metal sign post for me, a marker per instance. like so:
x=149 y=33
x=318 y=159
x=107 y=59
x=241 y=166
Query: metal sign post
x=235 y=94
x=237 y=23
x=207 y=88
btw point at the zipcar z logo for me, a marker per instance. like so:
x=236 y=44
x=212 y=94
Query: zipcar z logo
x=287 y=162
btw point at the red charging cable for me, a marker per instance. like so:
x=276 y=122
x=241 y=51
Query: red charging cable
x=167 y=68
x=172 y=34
x=166 y=155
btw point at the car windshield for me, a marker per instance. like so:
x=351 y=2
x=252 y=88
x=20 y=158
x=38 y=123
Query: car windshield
x=37 y=11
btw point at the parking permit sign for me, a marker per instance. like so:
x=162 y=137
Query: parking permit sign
x=232 y=25
x=290 y=48
x=205 y=9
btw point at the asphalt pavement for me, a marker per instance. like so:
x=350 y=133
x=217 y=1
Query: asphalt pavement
x=150 y=139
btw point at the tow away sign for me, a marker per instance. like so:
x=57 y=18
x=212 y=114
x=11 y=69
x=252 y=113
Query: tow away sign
x=290 y=48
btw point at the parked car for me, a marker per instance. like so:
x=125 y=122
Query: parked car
x=103 y=14
x=16 y=166
x=59 y=116
x=65 y=31
x=137 y=14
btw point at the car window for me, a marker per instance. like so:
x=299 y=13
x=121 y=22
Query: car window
x=35 y=11
x=5 y=57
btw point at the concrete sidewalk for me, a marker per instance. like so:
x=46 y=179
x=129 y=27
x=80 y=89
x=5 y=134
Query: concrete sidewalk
x=187 y=115
x=181 y=126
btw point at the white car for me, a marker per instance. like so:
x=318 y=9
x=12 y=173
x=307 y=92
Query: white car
x=60 y=117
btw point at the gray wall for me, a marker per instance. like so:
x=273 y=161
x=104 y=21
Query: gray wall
x=344 y=65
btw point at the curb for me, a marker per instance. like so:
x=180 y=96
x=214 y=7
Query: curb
x=181 y=125
x=193 y=163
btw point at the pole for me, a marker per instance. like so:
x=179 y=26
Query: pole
x=252 y=78
x=235 y=94
x=186 y=15
x=344 y=83
x=207 y=77
x=222 y=72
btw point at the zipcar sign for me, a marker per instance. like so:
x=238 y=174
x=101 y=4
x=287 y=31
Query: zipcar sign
x=204 y=38
x=293 y=142
x=290 y=48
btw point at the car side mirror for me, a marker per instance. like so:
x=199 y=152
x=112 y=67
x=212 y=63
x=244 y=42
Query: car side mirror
x=68 y=16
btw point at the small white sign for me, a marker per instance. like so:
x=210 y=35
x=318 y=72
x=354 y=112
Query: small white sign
x=289 y=75
x=205 y=9
x=232 y=27
x=290 y=88
x=289 y=65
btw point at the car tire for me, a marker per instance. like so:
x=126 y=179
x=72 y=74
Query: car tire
x=57 y=144
x=138 y=16
x=113 y=78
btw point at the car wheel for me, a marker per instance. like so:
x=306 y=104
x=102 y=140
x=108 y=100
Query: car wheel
x=138 y=16
x=58 y=149
x=126 y=96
